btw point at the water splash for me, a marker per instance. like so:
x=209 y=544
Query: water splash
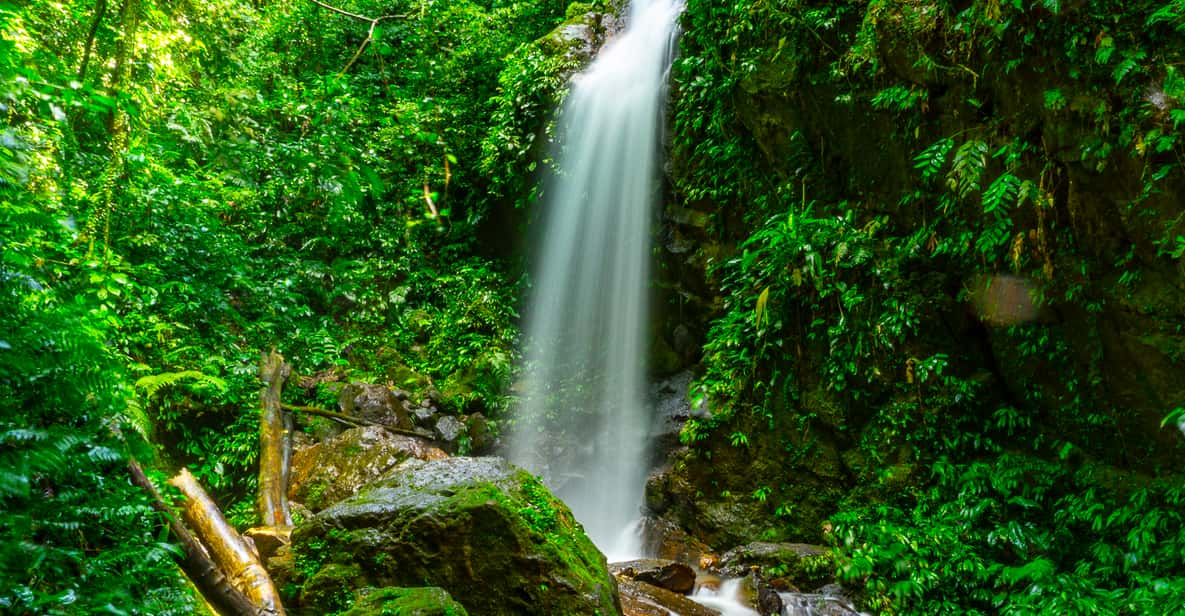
x=726 y=599
x=582 y=422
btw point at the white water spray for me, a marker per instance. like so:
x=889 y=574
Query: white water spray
x=583 y=420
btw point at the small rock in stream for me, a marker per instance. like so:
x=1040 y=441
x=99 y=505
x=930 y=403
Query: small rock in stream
x=667 y=574
x=639 y=599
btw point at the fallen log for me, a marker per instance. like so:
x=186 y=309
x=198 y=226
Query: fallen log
x=209 y=579
x=226 y=547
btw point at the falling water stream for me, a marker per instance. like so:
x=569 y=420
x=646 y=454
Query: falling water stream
x=583 y=419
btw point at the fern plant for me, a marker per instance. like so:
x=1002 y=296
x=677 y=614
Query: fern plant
x=75 y=536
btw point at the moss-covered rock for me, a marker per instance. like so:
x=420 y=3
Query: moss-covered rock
x=428 y=601
x=329 y=589
x=488 y=533
x=790 y=565
x=728 y=495
x=327 y=472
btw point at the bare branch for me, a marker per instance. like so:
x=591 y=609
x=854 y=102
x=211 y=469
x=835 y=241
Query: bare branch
x=347 y=419
x=210 y=580
x=340 y=11
x=374 y=22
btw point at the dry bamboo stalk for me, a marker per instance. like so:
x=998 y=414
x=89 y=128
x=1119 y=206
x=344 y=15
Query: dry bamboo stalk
x=226 y=547
x=209 y=579
x=273 y=498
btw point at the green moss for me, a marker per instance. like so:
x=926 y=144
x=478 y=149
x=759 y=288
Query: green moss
x=396 y=601
x=539 y=511
x=329 y=589
x=316 y=491
x=491 y=535
x=309 y=556
x=577 y=10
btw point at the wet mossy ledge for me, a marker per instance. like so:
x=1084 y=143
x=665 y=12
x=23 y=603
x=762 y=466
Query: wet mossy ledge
x=487 y=533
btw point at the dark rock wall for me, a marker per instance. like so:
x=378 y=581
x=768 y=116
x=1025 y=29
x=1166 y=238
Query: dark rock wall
x=1097 y=243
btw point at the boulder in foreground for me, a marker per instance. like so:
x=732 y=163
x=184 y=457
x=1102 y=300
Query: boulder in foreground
x=488 y=533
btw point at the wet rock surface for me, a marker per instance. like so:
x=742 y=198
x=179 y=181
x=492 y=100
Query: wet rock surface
x=672 y=408
x=667 y=574
x=449 y=430
x=665 y=539
x=424 y=416
x=640 y=599
x=374 y=403
x=739 y=560
x=784 y=566
x=327 y=472
x=818 y=604
x=488 y=533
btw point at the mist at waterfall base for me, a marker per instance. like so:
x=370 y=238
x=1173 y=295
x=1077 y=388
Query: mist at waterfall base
x=582 y=421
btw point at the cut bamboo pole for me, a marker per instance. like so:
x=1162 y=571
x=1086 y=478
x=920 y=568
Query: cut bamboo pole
x=273 y=464
x=209 y=579
x=226 y=547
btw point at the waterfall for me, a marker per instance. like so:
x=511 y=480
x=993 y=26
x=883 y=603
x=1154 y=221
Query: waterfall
x=583 y=420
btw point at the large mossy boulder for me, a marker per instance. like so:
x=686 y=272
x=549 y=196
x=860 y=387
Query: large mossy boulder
x=327 y=472
x=488 y=533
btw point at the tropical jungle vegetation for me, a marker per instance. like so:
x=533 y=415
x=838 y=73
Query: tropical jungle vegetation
x=935 y=282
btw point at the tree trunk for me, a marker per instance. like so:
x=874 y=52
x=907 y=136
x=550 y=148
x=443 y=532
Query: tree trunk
x=273 y=448
x=226 y=547
x=100 y=12
x=197 y=565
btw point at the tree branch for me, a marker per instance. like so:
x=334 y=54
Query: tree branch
x=226 y=547
x=100 y=11
x=273 y=465
x=347 y=419
x=374 y=22
x=341 y=11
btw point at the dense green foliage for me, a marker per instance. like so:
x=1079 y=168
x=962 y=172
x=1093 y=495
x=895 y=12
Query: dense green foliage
x=999 y=464
x=77 y=537
x=187 y=185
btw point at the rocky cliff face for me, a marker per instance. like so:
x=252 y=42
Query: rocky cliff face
x=911 y=223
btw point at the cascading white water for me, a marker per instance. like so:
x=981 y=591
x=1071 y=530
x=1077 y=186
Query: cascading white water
x=583 y=420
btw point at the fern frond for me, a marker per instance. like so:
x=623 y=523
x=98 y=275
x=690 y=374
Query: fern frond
x=841 y=251
x=155 y=382
x=968 y=167
x=1171 y=13
x=135 y=416
x=931 y=160
x=1001 y=193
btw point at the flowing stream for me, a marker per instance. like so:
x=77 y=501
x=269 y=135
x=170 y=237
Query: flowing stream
x=583 y=421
